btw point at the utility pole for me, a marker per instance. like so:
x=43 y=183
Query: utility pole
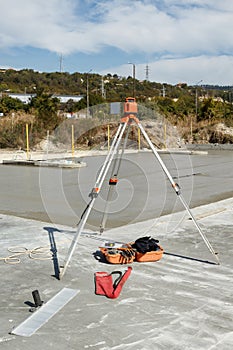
x=61 y=63
x=133 y=77
x=103 y=93
x=196 y=98
x=87 y=112
x=196 y=110
x=164 y=91
x=147 y=72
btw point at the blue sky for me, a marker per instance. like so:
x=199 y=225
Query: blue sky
x=180 y=41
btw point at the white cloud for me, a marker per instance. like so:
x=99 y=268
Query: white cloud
x=144 y=27
x=179 y=34
x=178 y=27
x=39 y=24
x=209 y=69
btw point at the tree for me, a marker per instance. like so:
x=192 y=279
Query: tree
x=206 y=110
x=9 y=104
x=46 y=110
x=184 y=106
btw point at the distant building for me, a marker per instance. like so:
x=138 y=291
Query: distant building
x=66 y=98
x=74 y=115
x=26 y=98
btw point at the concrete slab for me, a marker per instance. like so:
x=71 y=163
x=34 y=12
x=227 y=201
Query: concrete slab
x=184 y=301
x=58 y=163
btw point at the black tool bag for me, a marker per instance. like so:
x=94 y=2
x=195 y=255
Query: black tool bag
x=146 y=244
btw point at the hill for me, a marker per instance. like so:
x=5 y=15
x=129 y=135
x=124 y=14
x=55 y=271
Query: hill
x=200 y=113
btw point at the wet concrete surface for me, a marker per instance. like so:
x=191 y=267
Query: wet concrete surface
x=143 y=191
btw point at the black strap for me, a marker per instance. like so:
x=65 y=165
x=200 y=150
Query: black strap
x=117 y=280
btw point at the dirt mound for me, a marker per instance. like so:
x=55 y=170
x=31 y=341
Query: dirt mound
x=161 y=138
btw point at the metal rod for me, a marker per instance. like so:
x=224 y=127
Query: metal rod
x=177 y=189
x=115 y=171
x=108 y=137
x=27 y=142
x=156 y=154
x=109 y=153
x=98 y=184
x=111 y=157
x=198 y=228
x=72 y=140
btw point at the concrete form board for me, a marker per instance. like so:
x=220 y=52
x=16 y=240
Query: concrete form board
x=44 y=313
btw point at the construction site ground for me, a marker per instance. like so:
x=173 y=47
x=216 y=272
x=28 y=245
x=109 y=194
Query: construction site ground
x=184 y=301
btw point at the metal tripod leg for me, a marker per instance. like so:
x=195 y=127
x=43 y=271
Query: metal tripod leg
x=178 y=192
x=94 y=195
x=115 y=171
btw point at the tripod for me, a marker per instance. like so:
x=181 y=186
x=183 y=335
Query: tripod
x=130 y=116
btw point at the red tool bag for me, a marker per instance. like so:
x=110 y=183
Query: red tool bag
x=104 y=284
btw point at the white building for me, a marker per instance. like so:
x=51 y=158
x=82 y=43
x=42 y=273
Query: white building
x=26 y=98
x=66 y=98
